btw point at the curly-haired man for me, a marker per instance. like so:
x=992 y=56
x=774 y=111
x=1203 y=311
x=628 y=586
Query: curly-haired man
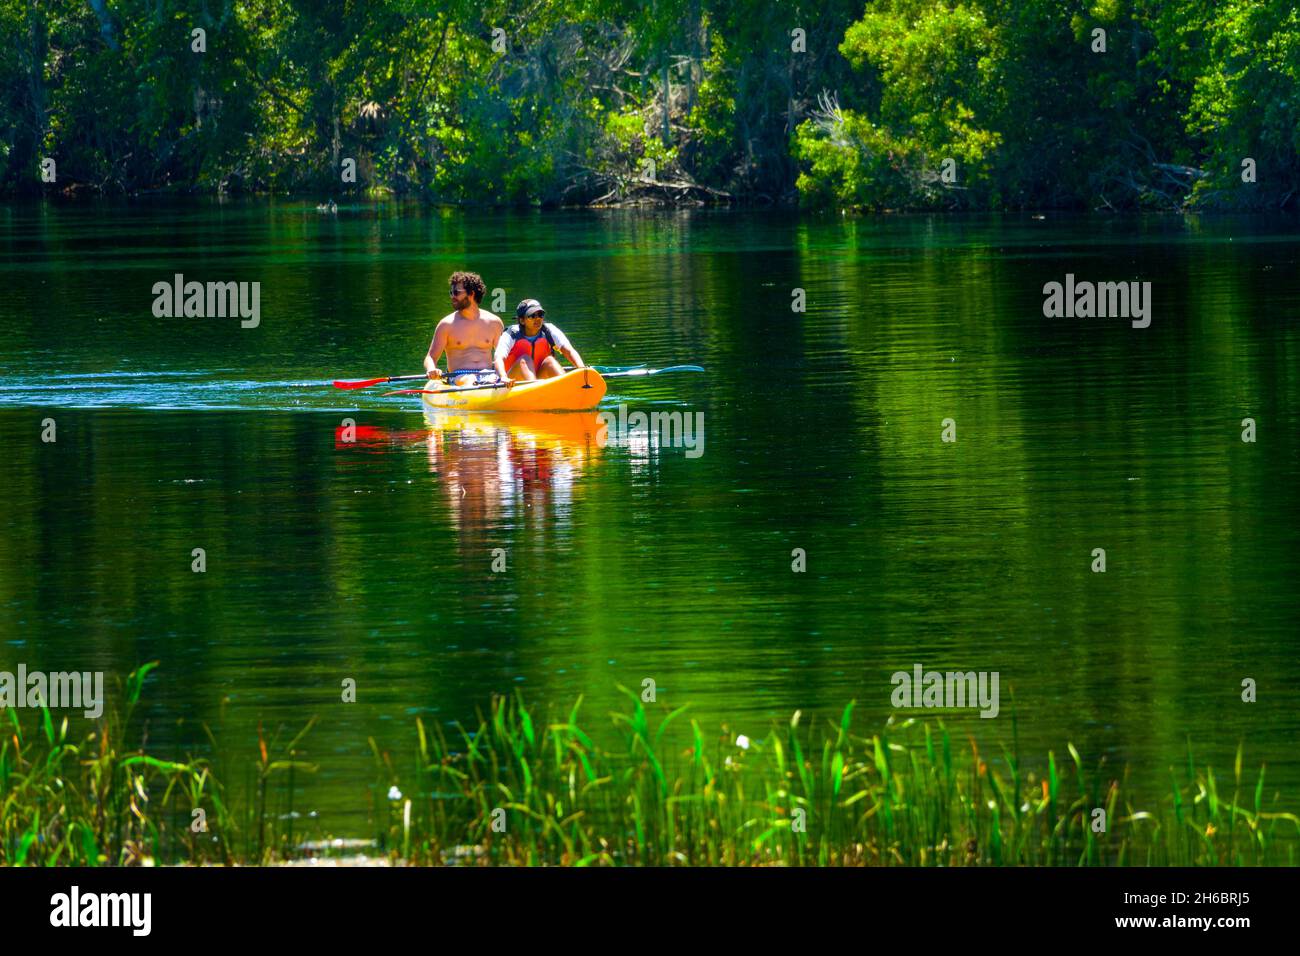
x=468 y=335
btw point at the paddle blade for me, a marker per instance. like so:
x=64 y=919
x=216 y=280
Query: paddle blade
x=380 y=381
x=608 y=369
x=366 y=384
x=656 y=371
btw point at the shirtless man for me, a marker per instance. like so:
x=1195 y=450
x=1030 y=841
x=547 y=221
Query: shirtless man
x=468 y=335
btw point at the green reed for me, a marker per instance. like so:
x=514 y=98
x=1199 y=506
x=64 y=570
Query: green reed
x=806 y=794
x=98 y=800
x=651 y=787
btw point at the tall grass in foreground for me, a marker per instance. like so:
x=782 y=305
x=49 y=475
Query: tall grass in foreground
x=520 y=789
x=805 y=795
x=97 y=800
x=103 y=800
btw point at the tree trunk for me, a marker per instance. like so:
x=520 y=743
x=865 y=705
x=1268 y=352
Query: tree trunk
x=337 y=141
x=668 y=136
x=106 y=28
x=789 y=96
x=37 y=38
x=698 y=54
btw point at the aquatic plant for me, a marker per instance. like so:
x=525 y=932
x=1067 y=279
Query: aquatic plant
x=518 y=788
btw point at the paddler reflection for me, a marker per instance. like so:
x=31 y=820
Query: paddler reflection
x=494 y=468
x=510 y=467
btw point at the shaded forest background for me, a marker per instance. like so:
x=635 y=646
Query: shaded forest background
x=829 y=103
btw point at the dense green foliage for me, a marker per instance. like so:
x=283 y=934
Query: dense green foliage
x=1034 y=113
x=837 y=102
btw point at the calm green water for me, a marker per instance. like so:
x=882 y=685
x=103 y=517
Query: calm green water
x=372 y=560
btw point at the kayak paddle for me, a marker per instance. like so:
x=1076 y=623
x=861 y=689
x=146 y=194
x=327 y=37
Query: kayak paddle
x=607 y=371
x=475 y=388
x=444 y=391
x=379 y=381
x=655 y=371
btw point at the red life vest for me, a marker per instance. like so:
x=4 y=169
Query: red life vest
x=539 y=349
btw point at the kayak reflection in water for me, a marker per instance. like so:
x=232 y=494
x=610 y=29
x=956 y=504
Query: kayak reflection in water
x=495 y=468
x=527 y=350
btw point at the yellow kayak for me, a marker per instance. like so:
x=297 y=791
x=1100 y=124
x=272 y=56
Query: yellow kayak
x=576 y=390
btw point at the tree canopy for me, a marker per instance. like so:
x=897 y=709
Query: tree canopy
x=939 y=104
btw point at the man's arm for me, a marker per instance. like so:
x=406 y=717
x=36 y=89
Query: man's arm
x=499 y=356
x=499 y=353
x=436 y=348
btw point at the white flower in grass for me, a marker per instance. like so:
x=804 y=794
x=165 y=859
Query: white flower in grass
x=394 y=793
x=742 y=742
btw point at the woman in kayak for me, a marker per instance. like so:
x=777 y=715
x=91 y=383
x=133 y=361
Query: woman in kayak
x=527 y=350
